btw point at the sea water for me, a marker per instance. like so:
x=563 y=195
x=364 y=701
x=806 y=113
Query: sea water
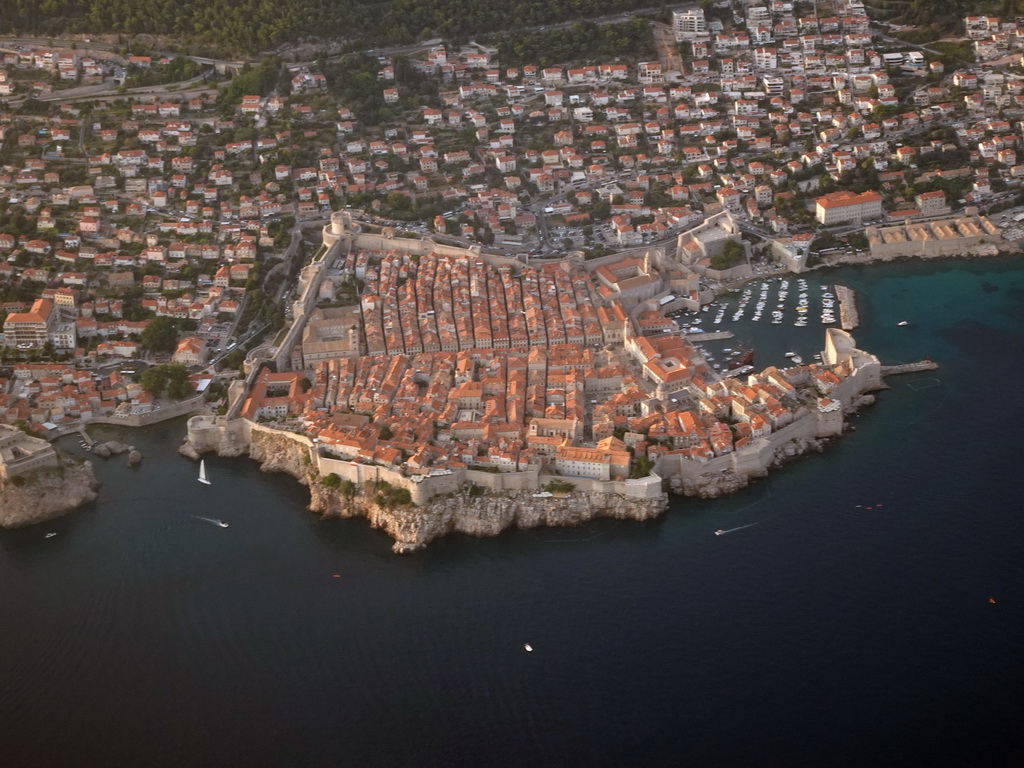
x=852 y=625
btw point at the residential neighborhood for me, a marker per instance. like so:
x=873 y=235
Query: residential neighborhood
x=796 y=133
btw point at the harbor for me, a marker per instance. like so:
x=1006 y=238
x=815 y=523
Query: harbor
x=775 y=320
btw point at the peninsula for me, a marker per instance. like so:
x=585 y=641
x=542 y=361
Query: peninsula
x=469 y=275
x=469 y=392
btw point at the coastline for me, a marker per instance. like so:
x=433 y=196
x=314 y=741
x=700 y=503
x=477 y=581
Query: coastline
x=430 y=508
x=45 y=494
x=1005 y=249
x=475 y=511
x=413 y=527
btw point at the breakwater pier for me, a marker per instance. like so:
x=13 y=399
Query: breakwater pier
x=848 y=317
x=920 y=365
x=710 y=336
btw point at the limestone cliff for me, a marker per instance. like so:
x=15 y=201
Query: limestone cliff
x=279 y=453
x=413 y=528
x=710 y=485
x=45 y=494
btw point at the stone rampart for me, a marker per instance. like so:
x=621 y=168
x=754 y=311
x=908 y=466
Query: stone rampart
x=503 y=481
x=642 y=488
x=163 y=413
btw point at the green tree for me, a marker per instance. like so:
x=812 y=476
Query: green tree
x=560 y=486
x=172 y=377
x=642 y=467
x=160 y=335
x=235 y=358
x=731 y=255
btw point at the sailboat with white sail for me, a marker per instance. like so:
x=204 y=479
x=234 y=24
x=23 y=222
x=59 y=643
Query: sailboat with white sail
x=202 y=473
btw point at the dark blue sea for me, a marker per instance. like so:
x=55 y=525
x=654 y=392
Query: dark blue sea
x=852 y=625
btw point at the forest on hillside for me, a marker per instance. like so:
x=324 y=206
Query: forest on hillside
x=258 y=25
x=582 y=41
x=934 y=19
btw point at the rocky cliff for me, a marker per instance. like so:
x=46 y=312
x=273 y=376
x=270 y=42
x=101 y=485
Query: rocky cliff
x=280 y=453
x=413 y=528
x=45 y=494
x=710 y=485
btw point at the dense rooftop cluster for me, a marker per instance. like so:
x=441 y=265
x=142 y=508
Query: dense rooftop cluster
x=792 y=123
x=519 y=389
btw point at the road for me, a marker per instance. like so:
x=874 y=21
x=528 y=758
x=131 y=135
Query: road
x=663 y=40
x=90 y=92
x=236 y=64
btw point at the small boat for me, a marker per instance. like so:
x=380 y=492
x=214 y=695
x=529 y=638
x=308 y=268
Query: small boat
x=719 y=532
x=212 y=521
x=746 y=357
x=202 y=473
x=791 y=354
x=902 y=323
x=528 y=648
x=50 y=535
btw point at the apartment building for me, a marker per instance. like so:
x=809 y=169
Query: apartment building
x=689 y=25
x=31 y=329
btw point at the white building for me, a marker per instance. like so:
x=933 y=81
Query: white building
x=843 y=207
x=689 y=25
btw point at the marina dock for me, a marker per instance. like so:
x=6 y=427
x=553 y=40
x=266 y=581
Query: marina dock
x=848 y=317
x=85 y=437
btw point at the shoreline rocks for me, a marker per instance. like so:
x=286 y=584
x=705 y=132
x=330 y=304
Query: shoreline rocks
x=110 y=448
x=46 y=494
x=412 y=528
x=116 y=448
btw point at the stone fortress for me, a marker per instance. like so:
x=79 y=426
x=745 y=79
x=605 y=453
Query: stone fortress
x=21 y=453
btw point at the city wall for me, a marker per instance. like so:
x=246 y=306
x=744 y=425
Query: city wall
x=755 y=458
x=343 y=229
x=935 y=238
x=644 y=488
x=163 y=413
x=233 y=437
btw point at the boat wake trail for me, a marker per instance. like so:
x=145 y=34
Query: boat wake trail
x=211 y=521
x=719 y=532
